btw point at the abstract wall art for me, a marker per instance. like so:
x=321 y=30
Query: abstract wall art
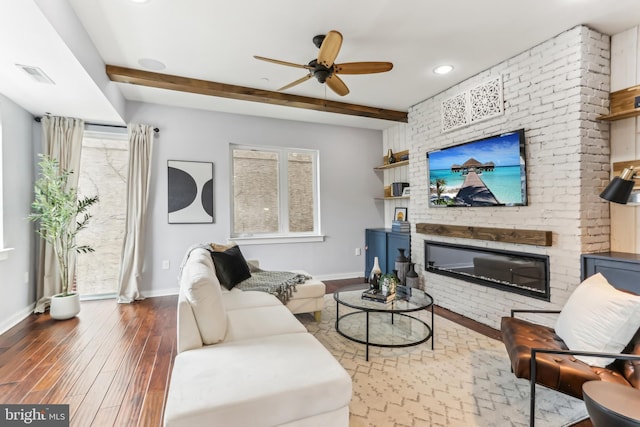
x=190 y=192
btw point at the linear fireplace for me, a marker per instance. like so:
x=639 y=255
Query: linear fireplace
x=519 y=272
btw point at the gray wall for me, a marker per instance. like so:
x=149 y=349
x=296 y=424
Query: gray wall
x=348 y=185
x=18 y=295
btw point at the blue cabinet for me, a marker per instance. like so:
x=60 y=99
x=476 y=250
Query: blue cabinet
x=620 y=269
x=384 y=244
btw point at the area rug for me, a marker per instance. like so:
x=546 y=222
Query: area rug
x=465 y=381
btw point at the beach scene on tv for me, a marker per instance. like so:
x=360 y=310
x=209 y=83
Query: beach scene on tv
x=487 y=172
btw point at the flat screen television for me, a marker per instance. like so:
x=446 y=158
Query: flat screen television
x=484 y=172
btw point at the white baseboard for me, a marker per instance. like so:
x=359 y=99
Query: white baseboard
x=161 y=292
x=16 y=318
x=339 y=276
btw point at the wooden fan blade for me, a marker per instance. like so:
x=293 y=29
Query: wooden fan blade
x=330 y=48
x=362 y=67
x=337 y=85
x=297 y=82
x=277 y=61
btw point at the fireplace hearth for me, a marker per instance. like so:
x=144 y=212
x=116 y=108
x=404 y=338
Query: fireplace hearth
x=518 y=272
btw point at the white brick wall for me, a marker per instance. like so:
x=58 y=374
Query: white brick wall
x=554 y=91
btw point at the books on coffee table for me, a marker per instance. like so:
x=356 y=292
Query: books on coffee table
x=378 y=296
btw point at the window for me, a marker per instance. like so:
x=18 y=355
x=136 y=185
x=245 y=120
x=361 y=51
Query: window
x=103 y=171
x=274 y=193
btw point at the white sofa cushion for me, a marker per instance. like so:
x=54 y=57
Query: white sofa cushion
x=600 y=318
x=257 y=322
x=202 y=290
x=235 y=299
x=262 y=382
x=189 y=336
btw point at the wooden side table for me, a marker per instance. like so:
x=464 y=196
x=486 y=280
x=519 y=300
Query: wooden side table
x=611 y=404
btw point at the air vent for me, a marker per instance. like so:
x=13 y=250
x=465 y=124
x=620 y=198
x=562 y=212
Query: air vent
x=36 y=74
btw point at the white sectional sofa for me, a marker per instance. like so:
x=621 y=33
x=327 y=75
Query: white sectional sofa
x=245 y=360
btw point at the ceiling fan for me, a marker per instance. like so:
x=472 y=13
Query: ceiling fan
x=325 y=70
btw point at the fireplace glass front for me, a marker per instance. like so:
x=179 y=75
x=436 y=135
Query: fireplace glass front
x=519 y=272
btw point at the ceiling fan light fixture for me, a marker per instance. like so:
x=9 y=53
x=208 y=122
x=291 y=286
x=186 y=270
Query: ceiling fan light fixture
x=443 y=69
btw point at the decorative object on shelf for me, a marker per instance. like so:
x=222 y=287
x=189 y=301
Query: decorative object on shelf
x=61 y=216
x=406 y=192
x=390 y=157
x=400 y=226
x=402 y=266
x=397 y=188
x=376 y=273
x=400 y=214
x=624 y=104
x=411 y=278
x=401 y=159
x=620 y=188
x=190 y=192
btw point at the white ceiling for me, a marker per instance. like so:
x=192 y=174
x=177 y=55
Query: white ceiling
x=216 y=40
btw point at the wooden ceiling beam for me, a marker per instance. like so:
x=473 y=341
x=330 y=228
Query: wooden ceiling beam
x=205 y=87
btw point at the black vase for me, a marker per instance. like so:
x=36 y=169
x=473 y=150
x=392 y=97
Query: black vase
x=402 y=265
x=390 y=157
x=412 y=279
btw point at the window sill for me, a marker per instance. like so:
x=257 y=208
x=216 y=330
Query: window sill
x=268 y=240
x=4 y=253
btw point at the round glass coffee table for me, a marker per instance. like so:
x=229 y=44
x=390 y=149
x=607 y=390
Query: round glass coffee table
x=383 y=324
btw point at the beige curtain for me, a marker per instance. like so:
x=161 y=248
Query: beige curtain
x=62 y=140
x=139 y=179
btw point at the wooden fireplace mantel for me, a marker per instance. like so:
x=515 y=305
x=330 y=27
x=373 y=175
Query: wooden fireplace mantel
x=507 y=235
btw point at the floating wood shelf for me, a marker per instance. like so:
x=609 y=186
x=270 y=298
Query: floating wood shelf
x=392 y=165
x=387 y=165
x=622 y=104
x=393 y=198
x=507 y=235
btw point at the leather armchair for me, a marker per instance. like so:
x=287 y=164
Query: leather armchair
x=537 y=353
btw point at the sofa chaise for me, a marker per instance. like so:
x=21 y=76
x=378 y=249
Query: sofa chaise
x=245 y=360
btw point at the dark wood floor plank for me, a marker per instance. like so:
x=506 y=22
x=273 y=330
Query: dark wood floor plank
x=104 y=418
x=131 y=406
x=128 y=366
x=92 y=400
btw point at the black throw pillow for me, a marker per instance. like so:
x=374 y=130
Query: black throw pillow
x=231 y=267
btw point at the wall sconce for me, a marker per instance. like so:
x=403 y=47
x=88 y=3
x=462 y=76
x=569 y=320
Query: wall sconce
x=619 y=189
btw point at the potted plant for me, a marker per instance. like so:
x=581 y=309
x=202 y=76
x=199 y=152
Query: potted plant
x=60 y=216
x=389 y=283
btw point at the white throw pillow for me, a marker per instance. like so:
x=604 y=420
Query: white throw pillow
x=598 y=317
x=202 y=290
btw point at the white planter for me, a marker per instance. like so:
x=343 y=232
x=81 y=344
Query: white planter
x=64 y=307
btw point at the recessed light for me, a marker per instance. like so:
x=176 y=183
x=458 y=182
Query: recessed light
x=443 y=69
x=151 y=64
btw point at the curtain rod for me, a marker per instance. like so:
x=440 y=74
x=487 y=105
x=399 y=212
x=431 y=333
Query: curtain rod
x=156 y=130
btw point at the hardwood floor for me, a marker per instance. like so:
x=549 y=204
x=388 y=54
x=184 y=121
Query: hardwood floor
x=112 y=363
